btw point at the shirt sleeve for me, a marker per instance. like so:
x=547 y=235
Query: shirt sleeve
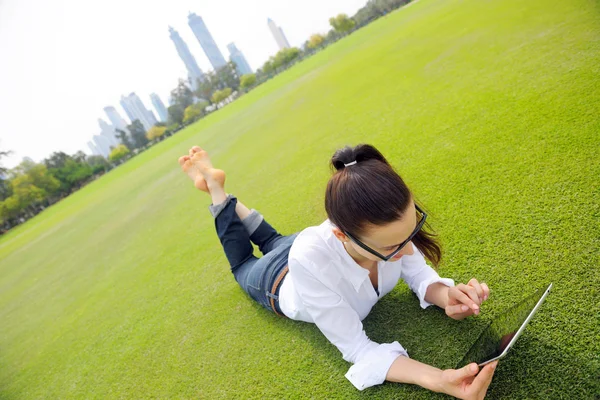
x=342 y=326
x=418 y=275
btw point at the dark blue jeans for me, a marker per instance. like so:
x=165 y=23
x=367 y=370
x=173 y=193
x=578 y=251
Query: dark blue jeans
x=255 y=275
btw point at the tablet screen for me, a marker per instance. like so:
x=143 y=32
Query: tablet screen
x=494 y=339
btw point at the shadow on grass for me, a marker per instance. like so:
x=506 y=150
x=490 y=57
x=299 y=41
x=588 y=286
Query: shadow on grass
x=532 y=370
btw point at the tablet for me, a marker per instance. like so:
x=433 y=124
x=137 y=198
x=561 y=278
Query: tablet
x=501 y=334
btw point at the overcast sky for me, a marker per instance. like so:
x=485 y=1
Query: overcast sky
x=63 y=61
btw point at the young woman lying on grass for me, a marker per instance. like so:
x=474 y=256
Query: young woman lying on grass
x=374 y=236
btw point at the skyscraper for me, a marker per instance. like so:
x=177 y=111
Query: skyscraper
x=108 y=132
x=102 y=144
x=278 y=35
x=206 y=41
x=241 y=65
x=94 y=149
x=188 y=59
x=135 y=109
x=115 y=118
x=159 y=106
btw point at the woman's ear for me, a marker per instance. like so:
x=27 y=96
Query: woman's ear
x=339 y=234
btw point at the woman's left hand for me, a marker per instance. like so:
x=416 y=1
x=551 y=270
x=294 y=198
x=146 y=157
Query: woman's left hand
x=464 y=300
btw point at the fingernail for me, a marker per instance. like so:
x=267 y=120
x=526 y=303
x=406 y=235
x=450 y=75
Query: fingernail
x=475 y=307
x=474 y=368
x=464 y=308
x=485 y=297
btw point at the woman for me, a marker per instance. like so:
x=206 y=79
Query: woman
x=375 y=235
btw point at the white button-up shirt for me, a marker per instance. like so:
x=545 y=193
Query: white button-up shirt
x=325 y=286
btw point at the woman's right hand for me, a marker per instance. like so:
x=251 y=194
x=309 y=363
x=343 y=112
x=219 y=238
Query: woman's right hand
x=466 y=383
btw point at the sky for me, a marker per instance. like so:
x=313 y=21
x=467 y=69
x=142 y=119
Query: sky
x=63 y=61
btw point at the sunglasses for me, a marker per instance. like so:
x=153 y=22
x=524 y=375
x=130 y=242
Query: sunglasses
x=400 y=246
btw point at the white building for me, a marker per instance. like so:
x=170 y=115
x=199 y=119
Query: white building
x=277 y=33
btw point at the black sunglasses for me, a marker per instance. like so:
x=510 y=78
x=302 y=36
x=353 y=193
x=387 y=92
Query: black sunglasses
x=412 y=235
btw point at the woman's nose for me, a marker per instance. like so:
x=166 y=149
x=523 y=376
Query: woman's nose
x=408 y=250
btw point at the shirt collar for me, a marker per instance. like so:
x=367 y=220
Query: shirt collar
x=350 y=269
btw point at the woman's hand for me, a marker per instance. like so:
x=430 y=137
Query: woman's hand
x=464 y=300
x=466 y=383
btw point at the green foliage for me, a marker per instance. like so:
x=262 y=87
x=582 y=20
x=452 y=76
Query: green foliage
x=247 y=81
x=98 y=164
x=488 y=111
x=138 y=134
x=118 y=153
x=221 y=95
x=315 y=41
x=156 y=132
x=193 y=112
x=175 y=114
x=124 y=138
x=283 y=57
x=182 y=95
x=341 y=23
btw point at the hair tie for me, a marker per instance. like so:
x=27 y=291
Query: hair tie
x=349 y=164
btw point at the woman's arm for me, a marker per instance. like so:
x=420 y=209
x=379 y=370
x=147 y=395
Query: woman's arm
x=464 y=383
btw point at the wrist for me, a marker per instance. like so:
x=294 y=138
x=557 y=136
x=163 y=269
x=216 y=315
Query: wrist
x=432 y=380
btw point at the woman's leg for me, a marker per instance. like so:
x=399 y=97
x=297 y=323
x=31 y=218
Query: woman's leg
x=260 y=231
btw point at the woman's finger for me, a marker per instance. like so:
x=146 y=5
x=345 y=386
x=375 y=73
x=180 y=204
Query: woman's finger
x=483 y=379
x=458 y=310
x=471 y=294
x=486 y=290
x=475 y=284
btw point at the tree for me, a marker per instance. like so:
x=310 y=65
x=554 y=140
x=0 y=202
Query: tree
x=39 y=176
x=57 y=160
x=4 y=154
x=247 y=81
x=315 y=41
x=124 y=138
x=98 y=164
x=182 y=95
x=227 y=76
x=156 y=131
x=175 y=114
x=138 y=134
x=194 y=112
x=118 y=153
x=221 y=95
x=206 y=87
x=341 y=23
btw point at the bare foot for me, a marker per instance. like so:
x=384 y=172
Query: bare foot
x=188 y=167
x=213 y=177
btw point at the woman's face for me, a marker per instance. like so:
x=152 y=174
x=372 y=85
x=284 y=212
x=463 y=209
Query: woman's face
x=384 y=239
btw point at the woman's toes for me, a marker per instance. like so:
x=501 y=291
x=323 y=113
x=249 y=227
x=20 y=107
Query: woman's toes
x=195 y=149
x=183 y=159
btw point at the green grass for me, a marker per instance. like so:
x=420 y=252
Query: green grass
x=488 y=109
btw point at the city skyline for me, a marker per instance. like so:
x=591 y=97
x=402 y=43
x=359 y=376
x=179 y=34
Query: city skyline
x=95 y=43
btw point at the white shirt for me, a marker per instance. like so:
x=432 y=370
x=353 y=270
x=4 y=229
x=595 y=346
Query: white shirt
x=325 y=286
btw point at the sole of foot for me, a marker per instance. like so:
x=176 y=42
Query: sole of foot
x=188 y=167
x=213 y=177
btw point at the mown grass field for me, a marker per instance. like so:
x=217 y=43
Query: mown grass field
x=488 y=109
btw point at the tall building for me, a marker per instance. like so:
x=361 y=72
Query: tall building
x=94 y=149
x=108 y=132
x=241 y=65
x=115 y=118
x=277 y=33
x=194 y=71
x=206 y=41
x=103 y=145
x=135 y=109
x=159 y=106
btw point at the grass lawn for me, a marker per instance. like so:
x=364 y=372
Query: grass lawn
x=488 y=109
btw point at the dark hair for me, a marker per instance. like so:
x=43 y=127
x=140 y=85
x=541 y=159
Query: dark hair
x=371 y=192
